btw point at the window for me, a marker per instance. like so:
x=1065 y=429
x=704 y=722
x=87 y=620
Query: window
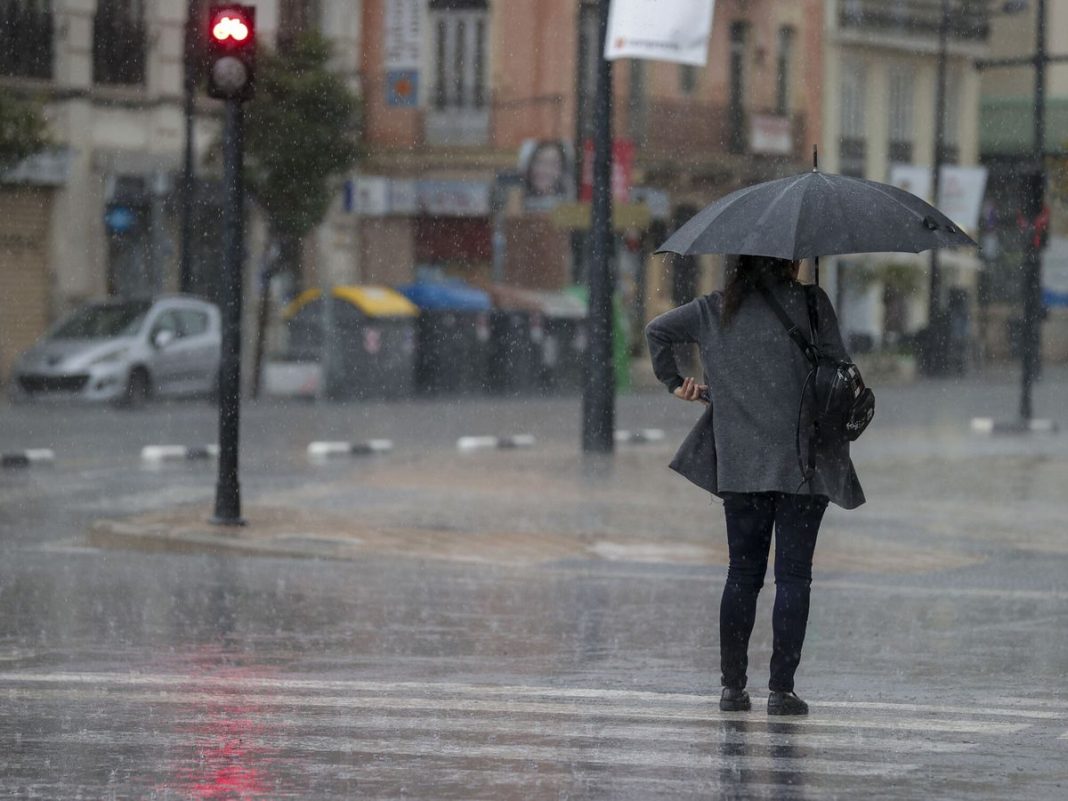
x=119 y=42
x=459 y=54
x=636 y=106
x=782 y=74
x=687 y=79
x=168 y=321
x=900 y=110
x=194 y=323
x=951 y=131
x=736 y=108
x=26 y=38
x=852 y=148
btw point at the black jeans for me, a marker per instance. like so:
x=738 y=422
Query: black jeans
x=750 y=519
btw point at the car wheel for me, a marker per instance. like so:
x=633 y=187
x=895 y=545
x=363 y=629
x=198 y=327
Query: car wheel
x=138 y=389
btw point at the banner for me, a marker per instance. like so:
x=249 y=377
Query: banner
x=661 y=30
x=403 y=47
x=960 y=193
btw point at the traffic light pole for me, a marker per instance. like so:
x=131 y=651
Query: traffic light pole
x=1032 y=283
x=598 y=400
x=228 y=488
x=937 y=346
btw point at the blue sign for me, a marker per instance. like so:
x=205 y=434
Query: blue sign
x=402 y=88
x=120 y=219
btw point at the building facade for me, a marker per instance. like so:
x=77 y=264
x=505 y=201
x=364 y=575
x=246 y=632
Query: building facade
x=1006 y=141
x=480 y=119
x=880 y=75
x=98 y=214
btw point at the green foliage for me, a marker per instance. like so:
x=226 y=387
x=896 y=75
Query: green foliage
x=22 y=129
x=302 y=128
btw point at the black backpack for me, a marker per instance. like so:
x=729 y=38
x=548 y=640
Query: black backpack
x=843 y=404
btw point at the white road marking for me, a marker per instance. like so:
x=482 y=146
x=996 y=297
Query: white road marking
x=207 y=683
x=565 y=708
x=641 y=757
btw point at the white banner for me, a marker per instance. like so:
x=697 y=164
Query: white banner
x=661 y=30
x=1055 y=272
x=403 y=34
x=960 y=193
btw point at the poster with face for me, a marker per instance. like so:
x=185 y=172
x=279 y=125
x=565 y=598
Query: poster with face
x=547 y=168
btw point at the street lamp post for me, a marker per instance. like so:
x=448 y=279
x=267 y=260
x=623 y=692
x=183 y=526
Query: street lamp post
x=936 y=346
x=598 y=399
x=185 y=265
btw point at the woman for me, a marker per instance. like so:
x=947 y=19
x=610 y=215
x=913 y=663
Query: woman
x=745 y=451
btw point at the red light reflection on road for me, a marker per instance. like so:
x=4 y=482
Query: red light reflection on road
x=222 y=755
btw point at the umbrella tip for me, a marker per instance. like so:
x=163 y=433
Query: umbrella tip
x=815 y=159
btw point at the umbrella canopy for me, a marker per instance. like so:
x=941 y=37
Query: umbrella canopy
x=816 y=214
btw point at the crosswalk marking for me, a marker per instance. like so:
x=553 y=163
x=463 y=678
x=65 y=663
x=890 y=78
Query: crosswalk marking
x=493 y=701
x=209 y=682
x=641 y=756
x=472 y=733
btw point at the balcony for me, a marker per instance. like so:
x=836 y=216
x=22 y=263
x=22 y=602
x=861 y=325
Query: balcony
x=684 y=131
x=501 y=123
x=25 y=40
x=968 y=21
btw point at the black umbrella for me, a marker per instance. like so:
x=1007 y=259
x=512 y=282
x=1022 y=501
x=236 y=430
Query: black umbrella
x=816 y=214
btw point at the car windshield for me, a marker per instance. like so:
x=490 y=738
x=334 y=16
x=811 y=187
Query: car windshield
x=103 y=321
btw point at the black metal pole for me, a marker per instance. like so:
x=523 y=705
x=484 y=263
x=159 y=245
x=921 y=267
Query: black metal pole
x=228 y=488
x=936 y=345
x=598 y=400
x=1032 y=277
x=185 y=264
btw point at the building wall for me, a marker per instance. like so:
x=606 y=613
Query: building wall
x=875 y=55
x=137 y=131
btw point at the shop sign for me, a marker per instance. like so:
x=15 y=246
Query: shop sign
x=402 y=46
x=454 y=198
x=770 y=134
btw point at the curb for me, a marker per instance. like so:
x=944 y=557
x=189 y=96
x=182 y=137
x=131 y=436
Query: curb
x=325 y=450
x=27 y=458
x=639 y=437
x=500 y=443
x=178 y=453
x=988 y=425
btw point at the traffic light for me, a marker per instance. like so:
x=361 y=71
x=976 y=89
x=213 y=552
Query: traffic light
x=231 y=52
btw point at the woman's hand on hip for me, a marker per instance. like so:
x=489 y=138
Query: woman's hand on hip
x=692 y=391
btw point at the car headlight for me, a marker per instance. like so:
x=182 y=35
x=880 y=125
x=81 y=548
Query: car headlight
x=110 y=358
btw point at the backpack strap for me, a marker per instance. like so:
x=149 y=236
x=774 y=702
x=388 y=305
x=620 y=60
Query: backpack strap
x=791 y=327
x=813 y=312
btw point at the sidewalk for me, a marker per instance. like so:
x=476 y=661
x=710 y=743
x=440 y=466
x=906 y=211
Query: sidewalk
x=523 y=508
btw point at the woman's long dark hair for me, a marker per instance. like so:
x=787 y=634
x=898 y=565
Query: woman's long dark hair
x=745 y=274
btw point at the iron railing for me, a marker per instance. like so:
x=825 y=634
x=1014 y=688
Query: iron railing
x=969 y=20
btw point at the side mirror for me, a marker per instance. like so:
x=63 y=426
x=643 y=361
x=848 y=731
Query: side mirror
x=162 y=339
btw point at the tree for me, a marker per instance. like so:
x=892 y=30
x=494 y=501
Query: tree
x=22 y=129
x=302 y=128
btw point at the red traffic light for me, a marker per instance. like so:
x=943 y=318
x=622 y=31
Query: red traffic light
x=230 y=26
x=231 y=51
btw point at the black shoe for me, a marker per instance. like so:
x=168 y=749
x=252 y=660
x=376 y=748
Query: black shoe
x=733 y=700
x=780 y=703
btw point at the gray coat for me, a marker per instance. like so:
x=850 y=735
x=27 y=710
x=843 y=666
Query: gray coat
x=746 y=439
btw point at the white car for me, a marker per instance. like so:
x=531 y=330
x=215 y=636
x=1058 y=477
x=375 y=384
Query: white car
x=125 y=351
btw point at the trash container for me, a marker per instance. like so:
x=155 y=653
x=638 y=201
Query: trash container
x=620 y=348
x=514 y=354
x=373 y=345
x=452 y=336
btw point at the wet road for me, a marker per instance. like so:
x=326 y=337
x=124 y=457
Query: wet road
x=126 y=675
